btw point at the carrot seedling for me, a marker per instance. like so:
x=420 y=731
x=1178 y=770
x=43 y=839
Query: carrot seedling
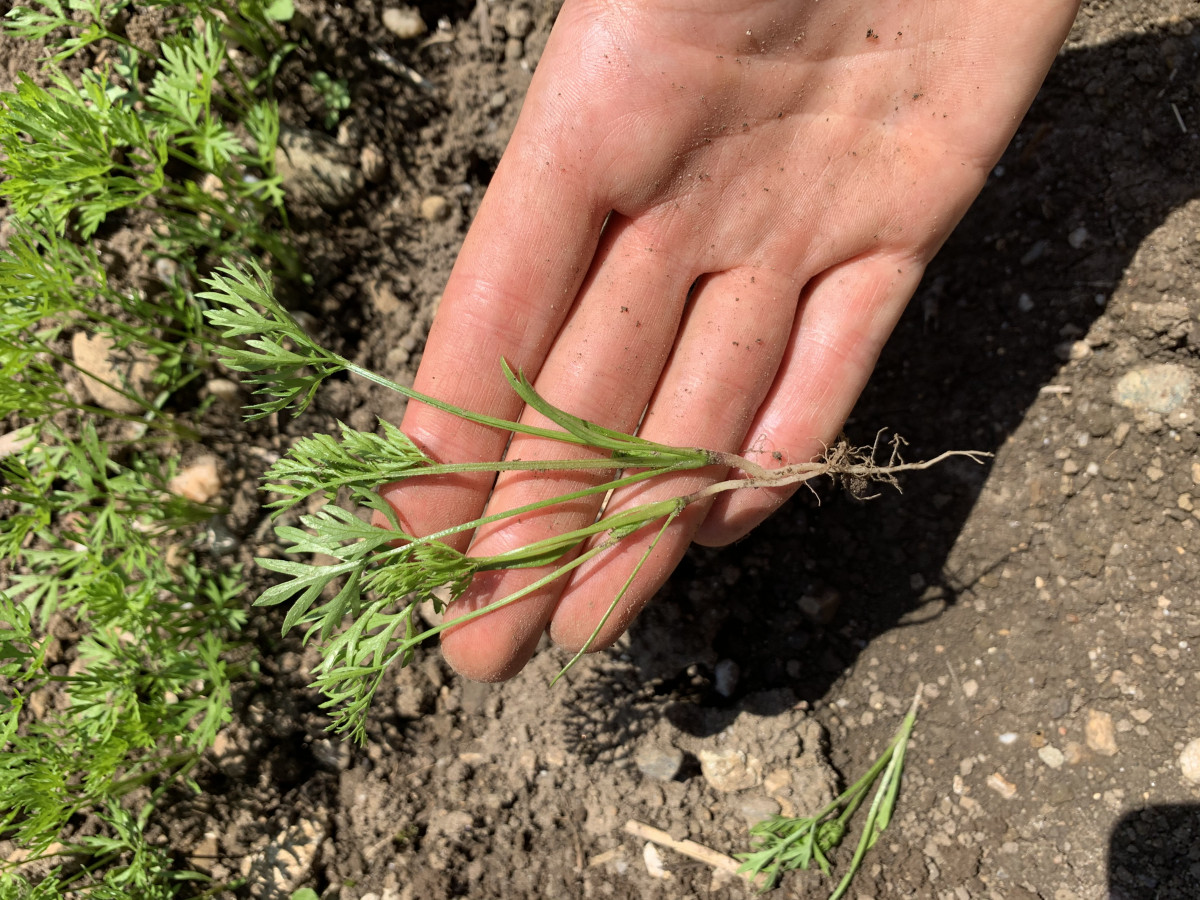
x=362 y=608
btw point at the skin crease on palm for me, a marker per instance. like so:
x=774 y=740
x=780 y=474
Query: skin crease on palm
x=711 y=213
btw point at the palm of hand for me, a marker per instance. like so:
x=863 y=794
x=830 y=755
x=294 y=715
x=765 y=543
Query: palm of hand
x=708 y=219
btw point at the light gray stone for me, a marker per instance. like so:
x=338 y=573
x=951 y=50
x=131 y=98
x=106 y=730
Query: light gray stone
x=313 y=170
x=726 y=770
x=662 y=763
x=1159 y=388
x=111 y=373
x=1051 y=756
x=725 y=677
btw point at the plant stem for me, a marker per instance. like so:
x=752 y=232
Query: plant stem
x=616 y=600
x=885 y=796
x=513 y=597
x=478 y=418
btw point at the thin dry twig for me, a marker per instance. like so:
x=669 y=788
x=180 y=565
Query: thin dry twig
x=692 y=850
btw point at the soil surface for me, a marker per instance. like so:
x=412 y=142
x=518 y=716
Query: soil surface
x=1047 y=601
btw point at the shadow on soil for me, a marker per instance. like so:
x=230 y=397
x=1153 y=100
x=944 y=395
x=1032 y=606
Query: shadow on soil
x=1101 y=149
x=1152 y=852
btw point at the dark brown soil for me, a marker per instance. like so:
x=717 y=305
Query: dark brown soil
x=1052 y=588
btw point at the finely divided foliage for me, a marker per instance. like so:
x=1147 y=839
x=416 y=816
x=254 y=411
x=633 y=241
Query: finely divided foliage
x=98 y=555
x=379 y=585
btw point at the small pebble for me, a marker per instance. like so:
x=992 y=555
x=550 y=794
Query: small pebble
x=1078 y=237
x=1159 y=388
x=1189 y=761
x=372 y=164
x=660 y=762
x=1100 y=734
x=222 y=390
x=726 y=770
x=970 y=688
x=1072 y=351
x=821 y=608
x=1025 y=303
x=1002 y=786
x=725 y=677
x=404 y=22
x=654 y=862
x=349 y=133
x=200 y=482
x=103 y=363
x=166 y=270
x=1051 y=756
x=435 y=208
x=221 y=541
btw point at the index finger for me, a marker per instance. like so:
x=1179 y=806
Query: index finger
x=515 y=279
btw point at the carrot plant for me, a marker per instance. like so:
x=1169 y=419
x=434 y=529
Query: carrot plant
x=98 y=558
x=362 y=609
x=786 y=843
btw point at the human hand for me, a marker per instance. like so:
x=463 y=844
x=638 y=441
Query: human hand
x=711 y=213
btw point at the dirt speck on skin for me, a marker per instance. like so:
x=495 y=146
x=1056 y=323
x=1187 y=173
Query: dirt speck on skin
x=1059 y=582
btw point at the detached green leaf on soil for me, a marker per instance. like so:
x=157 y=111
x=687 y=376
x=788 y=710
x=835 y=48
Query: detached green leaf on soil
x=785 y=843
